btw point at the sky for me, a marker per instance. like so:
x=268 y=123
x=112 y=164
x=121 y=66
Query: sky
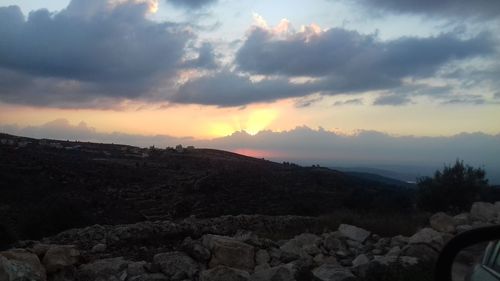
x=145 y=72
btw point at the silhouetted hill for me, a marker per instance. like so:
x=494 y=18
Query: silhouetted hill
x=48 y=185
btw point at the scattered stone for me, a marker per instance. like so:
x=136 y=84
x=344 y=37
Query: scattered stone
x=229 y=252
x=301 y=245
x=224 y=273
x=394 y=251
x=149 y=277
x=328 y=272
x=360 y=260
x=461 y=219
x=104 y=268
x=399 y=240
x=483 y=211
x=262 y=257
x=427 y=236
x=442 y=222
x=19 y=264
x=332 y=243
x=196 y=250
x=176 y=265
x=58 y=257
x=354 y=233
x=421 y=251
x=98 y=248
x=136 y=268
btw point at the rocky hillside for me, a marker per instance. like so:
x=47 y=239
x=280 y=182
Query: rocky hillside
x=237 y=248
x=47 y=186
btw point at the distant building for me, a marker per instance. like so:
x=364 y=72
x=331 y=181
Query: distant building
x=190 y=148
x=179 y=148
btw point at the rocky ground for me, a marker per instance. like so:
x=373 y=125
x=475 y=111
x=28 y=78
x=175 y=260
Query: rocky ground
x=236 y=248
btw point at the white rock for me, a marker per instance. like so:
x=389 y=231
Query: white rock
x=224 y=273
x=354 y=233
x=442 y=222
x=483 y=211
x=360 y=260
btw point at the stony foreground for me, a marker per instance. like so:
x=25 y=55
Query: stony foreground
x=228 y=248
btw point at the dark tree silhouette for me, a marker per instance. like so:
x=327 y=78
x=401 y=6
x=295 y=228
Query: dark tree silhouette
x=453 y=189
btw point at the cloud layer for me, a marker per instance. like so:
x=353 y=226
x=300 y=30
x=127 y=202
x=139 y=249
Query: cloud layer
x=450 y=8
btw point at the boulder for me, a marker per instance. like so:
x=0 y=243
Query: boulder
x=224 y=273
x=229 y=252
x=483 y=211
x=421 y=251
x=19 y=264
x=277 y=273
x=98 y=248
x=58 y=257
x=328 y=272
x=333 y=243
x=427 y=236
x=394 y=251
x=262 y=257
x=442 y=222
x=104 y=269
x=461 y=219
x=302 y=245
x=196 y=250
x=176 y=265
x=354 y=233
x=136 y=268
x=360 y=260
x=399 y=240
x=465 y=227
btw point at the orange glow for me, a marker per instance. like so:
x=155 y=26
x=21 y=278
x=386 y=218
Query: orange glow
x=256 y=153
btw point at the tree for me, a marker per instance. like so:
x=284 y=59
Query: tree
x=453 y=189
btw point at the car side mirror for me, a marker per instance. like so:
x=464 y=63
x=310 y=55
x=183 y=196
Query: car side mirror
x=473 y=255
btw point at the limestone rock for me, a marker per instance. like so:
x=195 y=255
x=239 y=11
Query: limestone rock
x=58 y=257
x=196 y=250
x=104 y=268
x=483 y=211
x=421 y=251
x=302 y=245
x=442 y=222
x=329 y=272
x=360 y=260
x=176 y=265
x=19 y=264
x=262 y=257
x=427 y=236
x=224 y=273
x=354 y=233
x=98 y=248
x=229 y=252
x=461 y=219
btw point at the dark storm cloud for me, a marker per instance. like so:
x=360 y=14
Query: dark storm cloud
x=352 y=59
x=192 y=4
x=226 y=88
x=205 y=59
x=452 y=8
x=88 y=48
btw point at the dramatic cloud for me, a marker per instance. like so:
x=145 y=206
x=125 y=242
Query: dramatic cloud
x=308 y=146
x=226 y=88
x=205 y=59
x=451 y=8
x=354 y=59
x=192 y=4
x=92 y=47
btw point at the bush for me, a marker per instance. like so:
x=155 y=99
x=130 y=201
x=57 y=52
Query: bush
x=454 y=189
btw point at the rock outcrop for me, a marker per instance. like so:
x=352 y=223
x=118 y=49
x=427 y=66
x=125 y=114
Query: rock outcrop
x=230 y=249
